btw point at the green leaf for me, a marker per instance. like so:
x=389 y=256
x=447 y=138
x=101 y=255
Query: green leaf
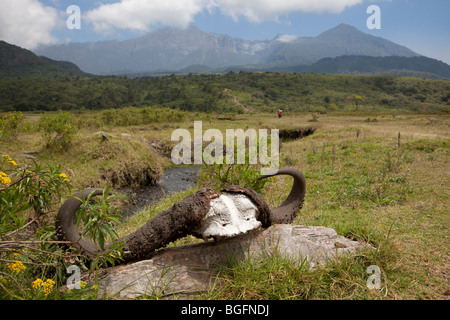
x=111 y=231
x=101 y=239
x=115 y=218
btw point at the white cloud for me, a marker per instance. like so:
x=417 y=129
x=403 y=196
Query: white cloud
x=139 y=15
x=286 y=38
x=262 y=10
x=27 y=23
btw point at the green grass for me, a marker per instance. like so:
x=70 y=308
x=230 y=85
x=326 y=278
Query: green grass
x=369 y=189
x=359 y=182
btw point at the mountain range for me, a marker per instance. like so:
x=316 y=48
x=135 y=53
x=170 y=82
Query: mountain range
x=173 y=50
x=341 y=50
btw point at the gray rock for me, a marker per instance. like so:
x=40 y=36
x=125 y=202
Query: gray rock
x=191 y=269
x=103 y=134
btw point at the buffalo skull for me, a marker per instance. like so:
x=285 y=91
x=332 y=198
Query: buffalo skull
x=205 y=214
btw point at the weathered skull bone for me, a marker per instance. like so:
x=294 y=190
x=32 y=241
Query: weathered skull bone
x=205 y=214
x=230 y=214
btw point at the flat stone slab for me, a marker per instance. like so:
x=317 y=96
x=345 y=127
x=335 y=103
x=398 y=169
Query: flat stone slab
x=191 y=269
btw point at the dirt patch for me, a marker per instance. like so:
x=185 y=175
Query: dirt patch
x=294 y=134
x=129 y=176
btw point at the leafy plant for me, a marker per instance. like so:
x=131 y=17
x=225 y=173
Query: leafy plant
x=26 y=187
x=219 y=175
x=58 y=130
x=27 y=192
x=98 y=217
x=10 y=124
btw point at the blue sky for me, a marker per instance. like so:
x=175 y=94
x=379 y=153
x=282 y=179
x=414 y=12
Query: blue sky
x=422 y=26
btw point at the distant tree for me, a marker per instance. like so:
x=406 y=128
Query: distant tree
x=357 y=101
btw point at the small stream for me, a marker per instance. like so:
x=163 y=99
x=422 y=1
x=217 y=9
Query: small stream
x=180 y=179
x=173 y=180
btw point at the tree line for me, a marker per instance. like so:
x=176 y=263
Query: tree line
x=231 y=92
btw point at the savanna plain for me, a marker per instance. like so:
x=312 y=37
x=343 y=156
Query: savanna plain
x=377 y=177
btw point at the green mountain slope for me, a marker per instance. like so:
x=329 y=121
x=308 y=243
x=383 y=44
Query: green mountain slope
x=404 y=66
x=18 y=62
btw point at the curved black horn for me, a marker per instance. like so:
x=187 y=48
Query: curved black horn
x=65 y=228
x=167 y=226
x=287 y=211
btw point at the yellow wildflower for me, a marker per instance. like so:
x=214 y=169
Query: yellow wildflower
x=17 y=266
x=95 y=287
x=82 y=284
x=13 y=163
x=63 y=175
x=37 y=283
x=4 y=178
x=2 y=280
x=8 y=159
x=48 y=286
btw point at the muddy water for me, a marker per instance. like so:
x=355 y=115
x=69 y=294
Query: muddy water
x=173 y=180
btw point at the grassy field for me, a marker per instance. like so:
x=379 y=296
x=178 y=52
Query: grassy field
x=379 y=178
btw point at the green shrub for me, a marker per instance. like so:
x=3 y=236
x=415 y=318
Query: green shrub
x=27 y=194
x=58 y=130
x=32 y=262
x=98 y=217
x=26 y=188
x=10 y=124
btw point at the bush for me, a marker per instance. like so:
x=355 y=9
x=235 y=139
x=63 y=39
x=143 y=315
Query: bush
x=34 y=188
x=10 y=124
x=32 y=263
x=27 y=193
x=58 y=130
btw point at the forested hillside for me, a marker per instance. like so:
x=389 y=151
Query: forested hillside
x=232 y=92
x=19 y=62
x=409 y=66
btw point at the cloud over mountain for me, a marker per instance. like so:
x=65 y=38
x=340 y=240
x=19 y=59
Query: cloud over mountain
x=262 y=10
x=27 y=23
x=30 y=23
x=141 y=15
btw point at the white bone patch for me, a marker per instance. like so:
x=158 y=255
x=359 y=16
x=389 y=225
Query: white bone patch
x=230 y=215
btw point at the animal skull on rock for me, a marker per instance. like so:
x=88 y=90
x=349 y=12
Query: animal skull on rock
x=205 y=214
